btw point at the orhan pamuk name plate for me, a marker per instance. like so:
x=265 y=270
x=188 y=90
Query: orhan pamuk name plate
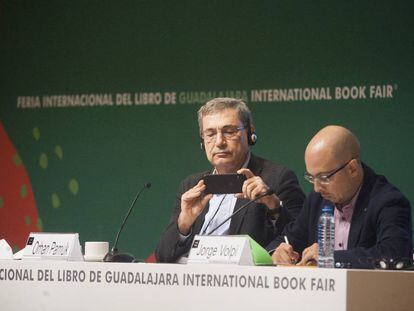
x=235 y=249
x=56 y=246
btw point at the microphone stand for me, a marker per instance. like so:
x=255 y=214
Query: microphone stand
x=268 y=192
x=113 y=255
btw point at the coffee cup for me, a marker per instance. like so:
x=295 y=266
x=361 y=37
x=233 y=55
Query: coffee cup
x=95 y=251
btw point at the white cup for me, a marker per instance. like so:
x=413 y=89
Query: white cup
x=95 y=251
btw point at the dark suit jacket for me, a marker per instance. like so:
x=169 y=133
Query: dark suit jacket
x=254 y=220
x=380 y=225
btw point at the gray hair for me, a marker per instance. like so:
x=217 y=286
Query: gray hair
x=222 y=103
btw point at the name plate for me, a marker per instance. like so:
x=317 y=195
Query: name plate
x=56 y=246
x=232 y=249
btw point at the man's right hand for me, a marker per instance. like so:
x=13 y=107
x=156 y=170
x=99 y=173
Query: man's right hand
x=285 y=255
x=192 y=204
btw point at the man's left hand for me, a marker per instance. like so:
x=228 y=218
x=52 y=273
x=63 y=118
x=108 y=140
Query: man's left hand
x=309 y=256
x=255 y=186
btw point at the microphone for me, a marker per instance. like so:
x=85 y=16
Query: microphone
x=268 y=192
x=113 y=255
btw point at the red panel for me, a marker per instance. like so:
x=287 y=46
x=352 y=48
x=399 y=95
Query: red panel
x=18 y=213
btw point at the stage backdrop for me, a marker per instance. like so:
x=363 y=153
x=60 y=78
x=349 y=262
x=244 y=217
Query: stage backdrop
x=99 y=97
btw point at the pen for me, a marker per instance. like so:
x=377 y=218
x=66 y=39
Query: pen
x=292 y=260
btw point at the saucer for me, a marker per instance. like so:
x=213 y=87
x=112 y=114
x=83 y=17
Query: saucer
x=98 y=258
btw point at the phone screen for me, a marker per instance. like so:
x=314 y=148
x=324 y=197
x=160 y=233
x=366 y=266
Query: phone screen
x=224 y=183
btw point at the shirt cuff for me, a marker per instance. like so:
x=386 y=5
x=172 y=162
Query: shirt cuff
x=182 y=238
x=276 y=211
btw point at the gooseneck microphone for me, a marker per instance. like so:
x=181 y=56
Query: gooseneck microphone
x=268 y=192
x=113 y=255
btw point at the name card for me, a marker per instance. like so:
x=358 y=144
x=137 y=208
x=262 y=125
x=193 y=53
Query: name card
x=56 y=246
x=5 y=250
x=232 y=249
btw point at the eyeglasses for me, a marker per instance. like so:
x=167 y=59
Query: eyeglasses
x=324 y=179
x=228 y=132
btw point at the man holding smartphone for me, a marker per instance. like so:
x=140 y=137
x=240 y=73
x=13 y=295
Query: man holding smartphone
x=227 y=134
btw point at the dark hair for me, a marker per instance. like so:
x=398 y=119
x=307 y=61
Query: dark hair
x=222 y=103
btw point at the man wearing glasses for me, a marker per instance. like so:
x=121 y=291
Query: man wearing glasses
x=372 y=218
x=227 y=134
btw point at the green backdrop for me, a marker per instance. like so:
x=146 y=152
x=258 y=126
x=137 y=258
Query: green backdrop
x=85 y=164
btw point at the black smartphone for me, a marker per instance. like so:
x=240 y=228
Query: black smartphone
x=224 y=183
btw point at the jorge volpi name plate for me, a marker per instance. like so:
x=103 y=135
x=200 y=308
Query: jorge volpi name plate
x=236 y=249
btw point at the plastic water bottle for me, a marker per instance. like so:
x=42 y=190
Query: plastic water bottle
x=326 y=238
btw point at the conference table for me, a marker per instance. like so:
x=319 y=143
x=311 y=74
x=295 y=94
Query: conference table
x=65 y=285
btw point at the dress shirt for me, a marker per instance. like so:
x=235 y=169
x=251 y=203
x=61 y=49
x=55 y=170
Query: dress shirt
x=343 y=219
x=221 y=206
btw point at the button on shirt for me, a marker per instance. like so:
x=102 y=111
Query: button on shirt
x=343 y=219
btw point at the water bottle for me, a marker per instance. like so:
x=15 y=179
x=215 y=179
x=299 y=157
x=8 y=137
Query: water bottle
x=326 y=238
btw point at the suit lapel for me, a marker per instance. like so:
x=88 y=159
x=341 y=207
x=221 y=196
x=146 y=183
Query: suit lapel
x=237 y=220
x=256 y=166
x=200 y=219
x=356 y=224
x=360 y=211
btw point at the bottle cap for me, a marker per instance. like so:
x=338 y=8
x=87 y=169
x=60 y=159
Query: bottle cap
x=327 y=209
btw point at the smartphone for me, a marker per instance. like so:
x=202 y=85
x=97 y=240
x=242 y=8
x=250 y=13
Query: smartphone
x=224 y=183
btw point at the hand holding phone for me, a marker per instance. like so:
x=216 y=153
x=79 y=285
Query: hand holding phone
x=193 y=201
x=256 y=186
x=224 y=183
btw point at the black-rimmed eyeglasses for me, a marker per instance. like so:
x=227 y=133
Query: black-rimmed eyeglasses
x=324 y=179
x=228 y=132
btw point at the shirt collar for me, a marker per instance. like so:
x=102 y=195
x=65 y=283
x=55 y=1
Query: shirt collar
x=347 y=209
